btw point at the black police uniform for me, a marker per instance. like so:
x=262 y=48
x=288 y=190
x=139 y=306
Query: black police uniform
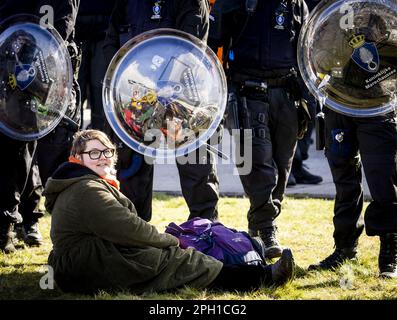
x=350 y=144
x=369 y=143
x=261 y=59
x=20 y=184
x=199 y=182
x=91 y=25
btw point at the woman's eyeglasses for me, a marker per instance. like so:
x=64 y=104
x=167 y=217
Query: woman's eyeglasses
x=96 y=154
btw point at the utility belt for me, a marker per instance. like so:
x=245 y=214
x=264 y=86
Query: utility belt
x=274 y=79
x=239 y=116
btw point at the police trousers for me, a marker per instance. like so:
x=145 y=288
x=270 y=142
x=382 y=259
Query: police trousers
x=53 y=150
x=371 y=143
x=20 y=184
x=272 y=122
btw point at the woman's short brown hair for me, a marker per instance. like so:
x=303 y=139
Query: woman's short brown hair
x=81 y=138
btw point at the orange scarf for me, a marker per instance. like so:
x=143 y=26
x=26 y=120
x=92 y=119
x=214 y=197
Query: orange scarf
x=113 y=182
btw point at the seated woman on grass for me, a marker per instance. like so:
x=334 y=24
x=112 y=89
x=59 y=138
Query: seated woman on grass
x=99 y=242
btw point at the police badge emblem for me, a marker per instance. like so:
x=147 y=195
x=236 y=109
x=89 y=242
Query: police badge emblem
x=364 y=54
x=24 y=75
x=280 y=22
x=156 y=10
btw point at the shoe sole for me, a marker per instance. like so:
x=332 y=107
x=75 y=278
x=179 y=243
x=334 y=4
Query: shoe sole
x=388 y=275
x=289 y=263
x=33 y=242
x=287 y=254
x=273 y=252
x=308 y=182
x=333 y=268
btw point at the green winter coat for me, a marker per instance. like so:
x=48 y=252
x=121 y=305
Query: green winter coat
x=99 y=242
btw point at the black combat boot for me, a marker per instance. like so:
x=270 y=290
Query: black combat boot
x=334 y=260
x=388 y=256
x=272 y=246
x=7 y=238
x=283 y=270
x=33 y=236
x=303 y=176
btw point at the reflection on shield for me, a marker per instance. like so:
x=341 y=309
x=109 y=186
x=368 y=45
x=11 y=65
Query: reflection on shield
x=348 y=56
x=35 y=78
x=164 y=93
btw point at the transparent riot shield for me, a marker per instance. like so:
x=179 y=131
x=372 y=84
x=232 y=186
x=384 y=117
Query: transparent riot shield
x=164 y=93
x=35 y=78
x=347 y=55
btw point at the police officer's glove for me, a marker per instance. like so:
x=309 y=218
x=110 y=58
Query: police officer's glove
x=303 y=118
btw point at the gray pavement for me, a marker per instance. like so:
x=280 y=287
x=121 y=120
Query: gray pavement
x=167 y=178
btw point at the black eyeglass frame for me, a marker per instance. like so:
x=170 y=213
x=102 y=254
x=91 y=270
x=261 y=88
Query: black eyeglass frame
x=100 y=153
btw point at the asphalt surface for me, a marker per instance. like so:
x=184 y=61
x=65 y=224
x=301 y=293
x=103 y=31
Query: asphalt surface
x=167 y=178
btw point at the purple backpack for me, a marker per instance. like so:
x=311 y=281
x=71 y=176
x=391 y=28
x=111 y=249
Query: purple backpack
x=213 y=238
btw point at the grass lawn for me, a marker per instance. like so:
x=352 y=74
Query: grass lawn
x=305 y=226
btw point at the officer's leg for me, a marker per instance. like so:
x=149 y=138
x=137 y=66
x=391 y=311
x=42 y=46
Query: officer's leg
x=29 y=210
x=283 y=131
x=260 y=181
x=53 y=150
x=199 y=184
x=97 y=73
x=299 y=170
x=283 y=126
x=136 y=181
x=341 y=151
x=16 y=165
x=378 y=147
